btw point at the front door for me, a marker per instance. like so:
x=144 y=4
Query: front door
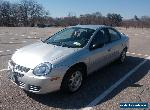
x=99 y=50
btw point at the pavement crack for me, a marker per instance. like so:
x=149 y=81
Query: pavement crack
x=139 y=98
x=141 y=92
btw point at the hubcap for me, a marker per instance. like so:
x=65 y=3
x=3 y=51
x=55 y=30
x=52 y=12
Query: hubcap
x=75 y=81
x=123 y=56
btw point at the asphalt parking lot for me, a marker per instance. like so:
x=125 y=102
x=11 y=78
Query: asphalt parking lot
x=103 y=90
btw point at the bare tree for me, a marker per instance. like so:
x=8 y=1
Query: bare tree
x=31 y=13
x=114 y=19
x=5 y=13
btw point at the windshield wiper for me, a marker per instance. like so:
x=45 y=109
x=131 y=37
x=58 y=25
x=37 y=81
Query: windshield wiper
x=66 y=45
x=54 y=43
x=60 y=44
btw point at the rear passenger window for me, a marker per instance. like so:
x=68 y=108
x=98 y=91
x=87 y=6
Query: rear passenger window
x=114 y=36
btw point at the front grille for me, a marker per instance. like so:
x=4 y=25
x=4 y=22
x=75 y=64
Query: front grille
x=34 y=88
x=18 y=67
x=21 y=84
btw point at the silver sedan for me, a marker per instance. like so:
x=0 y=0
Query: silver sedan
x=63 y=60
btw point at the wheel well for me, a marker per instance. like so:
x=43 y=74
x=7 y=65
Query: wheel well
x=79 y=65
x=126 y=48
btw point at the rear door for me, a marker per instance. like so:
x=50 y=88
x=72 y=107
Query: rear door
x=115 y=45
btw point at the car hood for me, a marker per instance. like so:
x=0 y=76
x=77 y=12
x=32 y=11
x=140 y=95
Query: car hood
x=32 y=55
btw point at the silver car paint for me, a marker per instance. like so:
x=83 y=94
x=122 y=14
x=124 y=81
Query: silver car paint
x=62 y=58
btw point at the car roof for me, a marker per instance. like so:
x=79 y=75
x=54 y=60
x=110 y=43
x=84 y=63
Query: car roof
x=91 y=26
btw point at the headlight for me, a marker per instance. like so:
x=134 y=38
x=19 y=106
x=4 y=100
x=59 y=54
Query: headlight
x=42 y=69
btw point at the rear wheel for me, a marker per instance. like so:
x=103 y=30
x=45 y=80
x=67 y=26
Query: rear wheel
x=123 y=56
x=73 y=80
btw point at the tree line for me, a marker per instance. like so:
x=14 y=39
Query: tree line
x=24 y=13
x=31 y=13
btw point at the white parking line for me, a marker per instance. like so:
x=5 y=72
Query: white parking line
x=12 y=38
x=136 y=34
x=146 y=55
x=132 y=53
x=11 y=42
x=139 y=54
x=33 y=32
x=29 y=37
x=23 y=41
x=109 y=90
x=3 y=70
x=8 y=50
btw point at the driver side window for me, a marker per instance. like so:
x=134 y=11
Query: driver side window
x=99 y=39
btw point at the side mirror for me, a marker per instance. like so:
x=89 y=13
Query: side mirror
x=95 y=46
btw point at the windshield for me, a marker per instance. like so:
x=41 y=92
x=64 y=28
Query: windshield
x=71 y=37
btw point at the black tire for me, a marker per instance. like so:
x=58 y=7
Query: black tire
x=65 y=86
x=122 y=56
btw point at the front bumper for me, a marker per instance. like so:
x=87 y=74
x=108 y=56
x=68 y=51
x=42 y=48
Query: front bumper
x=35 y=84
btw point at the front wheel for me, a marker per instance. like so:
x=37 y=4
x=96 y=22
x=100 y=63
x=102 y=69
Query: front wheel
x=72 y=80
